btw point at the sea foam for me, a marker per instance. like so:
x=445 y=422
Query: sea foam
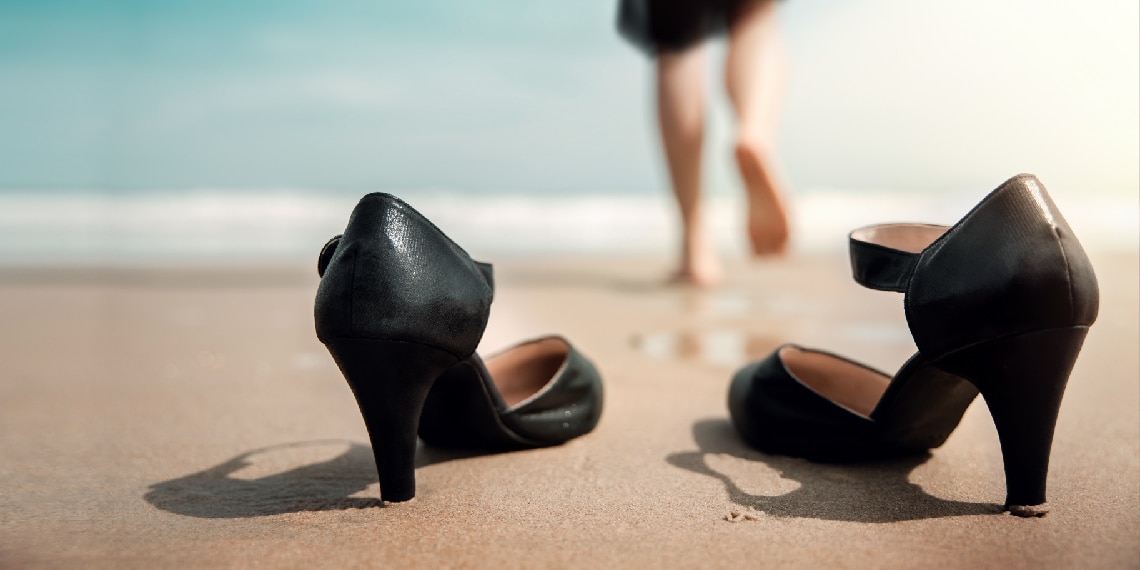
x=290 y=225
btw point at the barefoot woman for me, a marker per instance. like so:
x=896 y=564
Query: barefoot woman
x=673 y=32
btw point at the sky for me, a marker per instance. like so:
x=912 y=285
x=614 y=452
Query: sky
x=543 y=96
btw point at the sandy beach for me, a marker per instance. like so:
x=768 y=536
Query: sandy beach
x=186 y=416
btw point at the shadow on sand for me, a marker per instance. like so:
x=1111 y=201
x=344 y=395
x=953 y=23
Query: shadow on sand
x=327 y=485
x=875 y=492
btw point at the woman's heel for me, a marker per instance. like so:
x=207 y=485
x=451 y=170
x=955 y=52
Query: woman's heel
x=1022 y=379
x=391 y=380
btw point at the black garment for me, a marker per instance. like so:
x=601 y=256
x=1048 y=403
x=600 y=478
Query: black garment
x=669 y=26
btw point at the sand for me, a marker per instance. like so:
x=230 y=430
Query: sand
x=188 y=417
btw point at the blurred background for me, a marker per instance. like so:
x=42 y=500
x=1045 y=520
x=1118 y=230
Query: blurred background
x=139 y=132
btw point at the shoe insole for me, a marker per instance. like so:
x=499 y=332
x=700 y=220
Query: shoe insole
x=521 y=372
x=850 y=385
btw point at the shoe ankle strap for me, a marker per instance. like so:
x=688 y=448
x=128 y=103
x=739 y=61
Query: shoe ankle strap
x=884 y=256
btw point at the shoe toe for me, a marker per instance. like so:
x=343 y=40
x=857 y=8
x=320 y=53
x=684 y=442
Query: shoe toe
x=569 y=406
x=466 y=410
x=777 y=413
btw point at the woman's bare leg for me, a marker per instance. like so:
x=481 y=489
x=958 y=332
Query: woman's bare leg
x=752 y=72
x=681 y=116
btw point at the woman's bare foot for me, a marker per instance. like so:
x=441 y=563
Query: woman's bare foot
x=703 y=278
x=699 y=265
x=767 y=215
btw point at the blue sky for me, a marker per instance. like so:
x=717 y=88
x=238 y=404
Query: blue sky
x=543 y=96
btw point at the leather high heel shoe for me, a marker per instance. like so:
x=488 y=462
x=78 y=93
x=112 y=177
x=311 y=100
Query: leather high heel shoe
x=402 y=308
x=999 y=304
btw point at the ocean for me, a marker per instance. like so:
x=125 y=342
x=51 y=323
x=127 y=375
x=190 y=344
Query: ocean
x=528 y=129
x=290 y=225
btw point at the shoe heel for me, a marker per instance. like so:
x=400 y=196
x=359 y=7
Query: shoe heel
x=1022 y=379
x=391 y=380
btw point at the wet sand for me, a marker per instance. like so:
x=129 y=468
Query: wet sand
x=188 y=417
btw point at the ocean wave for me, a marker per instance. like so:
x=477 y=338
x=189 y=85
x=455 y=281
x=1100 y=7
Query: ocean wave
x=276 y=225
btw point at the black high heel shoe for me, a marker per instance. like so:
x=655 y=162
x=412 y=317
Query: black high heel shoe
x=402 y=308
x=999 y=304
